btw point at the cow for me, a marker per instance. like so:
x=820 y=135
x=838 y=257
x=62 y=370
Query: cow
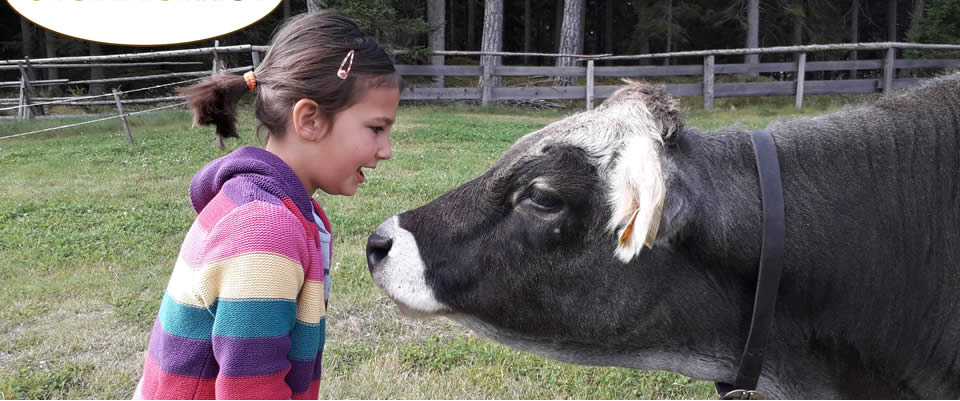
x=620 y=236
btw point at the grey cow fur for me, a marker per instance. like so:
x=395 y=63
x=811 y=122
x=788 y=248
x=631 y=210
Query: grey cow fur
x=869 y=302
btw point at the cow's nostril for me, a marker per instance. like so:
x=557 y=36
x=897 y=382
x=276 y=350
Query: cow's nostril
x=378 y=247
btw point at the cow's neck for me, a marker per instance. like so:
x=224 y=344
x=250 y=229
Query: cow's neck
x=821 y=328
x=714 y=201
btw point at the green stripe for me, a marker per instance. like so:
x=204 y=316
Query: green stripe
x=185 y=320
x=254 y=317
x=229 y=317
x=307 y=339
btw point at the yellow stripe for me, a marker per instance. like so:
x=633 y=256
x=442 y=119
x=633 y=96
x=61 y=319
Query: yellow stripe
x=310 y=307
x=180 y=287
x=251 y=275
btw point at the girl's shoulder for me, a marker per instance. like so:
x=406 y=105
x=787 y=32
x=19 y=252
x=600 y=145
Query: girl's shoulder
x=255 y=225
x=238 y=201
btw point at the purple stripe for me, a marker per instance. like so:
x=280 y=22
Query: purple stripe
x=180 y=355
x=244 y=190
x=302 y=374
x=317 y=370
x=251 y=356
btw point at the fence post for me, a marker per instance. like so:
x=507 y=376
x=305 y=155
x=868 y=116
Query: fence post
x=801 y=73
x=123 y=117
x=589 y=84
x=708 y=82
x=486 y=89
x=24 y=111
x=34 y=110
x=216 y=58
x=255 y=55
x=889 y=69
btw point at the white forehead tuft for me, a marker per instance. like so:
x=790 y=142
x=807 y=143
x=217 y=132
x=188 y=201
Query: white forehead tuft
x=601 y=132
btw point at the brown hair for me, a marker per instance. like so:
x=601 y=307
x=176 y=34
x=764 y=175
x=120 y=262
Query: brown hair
x=302 y=62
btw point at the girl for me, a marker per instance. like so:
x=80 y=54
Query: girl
x=243 y=315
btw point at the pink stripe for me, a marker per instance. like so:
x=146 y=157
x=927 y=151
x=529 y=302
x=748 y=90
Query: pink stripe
x=314 y=273
x=192 y=244
x=312 y=393
x=256 y=388
x=218 y=207
x=157 y=384
x=257 y=227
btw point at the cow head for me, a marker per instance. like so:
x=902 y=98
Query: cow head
x=550 y=250
x=558 y=248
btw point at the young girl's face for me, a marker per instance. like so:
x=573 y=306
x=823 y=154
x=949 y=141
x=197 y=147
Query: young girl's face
x=358 y=139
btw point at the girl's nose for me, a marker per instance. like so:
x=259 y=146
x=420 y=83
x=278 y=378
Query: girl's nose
x=384 y=153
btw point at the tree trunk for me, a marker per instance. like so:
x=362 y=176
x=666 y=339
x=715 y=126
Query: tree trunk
x=753 y=32
x=643 y=47
x=608 y=34
x=797 y=25
x=27 y=30
x=51 y=51
x=312 y=6
x=26 y=33
x=471 y=26
x=558 y=24
x=492 y=38
x=892 y=20
x=286 y=9
x=916 y=15
x=96 y=88
x=436 y=12
x=669 y=47
x=571 y=39
x=527 y=25
x=451 y=32
x=854 y=33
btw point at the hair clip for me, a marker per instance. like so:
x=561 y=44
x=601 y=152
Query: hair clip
x=342 y=73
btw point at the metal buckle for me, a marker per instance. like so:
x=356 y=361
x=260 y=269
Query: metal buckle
x=743 y=395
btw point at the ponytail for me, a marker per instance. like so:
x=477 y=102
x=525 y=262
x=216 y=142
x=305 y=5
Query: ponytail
x=214 y=101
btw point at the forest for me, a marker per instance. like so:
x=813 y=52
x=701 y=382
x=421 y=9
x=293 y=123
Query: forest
x=563 y=26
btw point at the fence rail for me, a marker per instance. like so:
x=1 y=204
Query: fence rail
x=29 y=105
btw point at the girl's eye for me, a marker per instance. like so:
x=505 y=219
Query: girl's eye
x=377 y=130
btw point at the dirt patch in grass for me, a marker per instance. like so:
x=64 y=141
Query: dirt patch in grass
x=7 y=357
x=380 y=320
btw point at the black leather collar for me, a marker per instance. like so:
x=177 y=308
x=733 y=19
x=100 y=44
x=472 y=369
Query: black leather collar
x=768 y=276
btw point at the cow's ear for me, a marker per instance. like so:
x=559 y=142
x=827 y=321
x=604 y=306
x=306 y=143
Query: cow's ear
x=637 y=192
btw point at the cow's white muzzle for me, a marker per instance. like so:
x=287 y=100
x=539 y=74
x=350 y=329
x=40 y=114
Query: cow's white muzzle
x=397 y=268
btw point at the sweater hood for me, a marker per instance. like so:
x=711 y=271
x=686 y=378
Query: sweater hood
x=263 y=169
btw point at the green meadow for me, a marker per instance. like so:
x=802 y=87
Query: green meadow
x=90 y=230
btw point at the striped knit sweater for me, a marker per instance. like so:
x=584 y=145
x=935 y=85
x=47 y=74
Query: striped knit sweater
x=243 y=315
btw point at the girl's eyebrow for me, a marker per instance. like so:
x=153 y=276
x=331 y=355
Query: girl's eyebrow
x=385 y=120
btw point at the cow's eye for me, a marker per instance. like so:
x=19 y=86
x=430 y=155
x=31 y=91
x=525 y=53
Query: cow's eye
x=542 y=201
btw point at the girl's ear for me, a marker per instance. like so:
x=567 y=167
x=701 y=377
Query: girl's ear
x=309 y=122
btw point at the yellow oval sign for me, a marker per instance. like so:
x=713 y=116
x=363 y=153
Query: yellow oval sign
x=144 y=22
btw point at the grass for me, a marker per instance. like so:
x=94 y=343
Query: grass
x=90 y=229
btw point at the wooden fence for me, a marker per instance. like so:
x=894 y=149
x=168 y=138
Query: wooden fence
x=29 y=105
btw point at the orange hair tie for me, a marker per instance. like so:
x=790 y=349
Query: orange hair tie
x=251 y=80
